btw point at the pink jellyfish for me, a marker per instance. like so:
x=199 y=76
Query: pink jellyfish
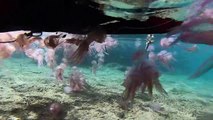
x=165 y=58
x=60 y=70
x=6 y=50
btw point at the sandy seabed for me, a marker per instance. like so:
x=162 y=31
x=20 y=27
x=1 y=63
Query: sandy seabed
x=27 y=91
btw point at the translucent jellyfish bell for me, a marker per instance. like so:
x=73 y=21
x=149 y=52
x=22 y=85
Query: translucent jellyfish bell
x=93 y=62
x=74 y=68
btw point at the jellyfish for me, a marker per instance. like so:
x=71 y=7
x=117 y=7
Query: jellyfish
x=144 y=76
